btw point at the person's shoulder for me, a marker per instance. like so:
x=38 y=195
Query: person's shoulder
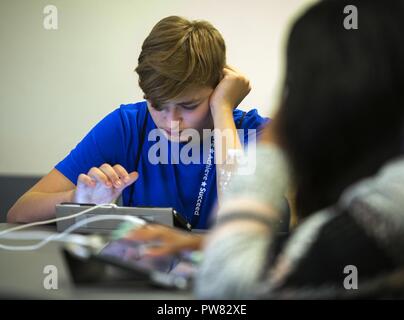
x=249 y=119
x=125 y=118
x=129 y=115
x=133 y=110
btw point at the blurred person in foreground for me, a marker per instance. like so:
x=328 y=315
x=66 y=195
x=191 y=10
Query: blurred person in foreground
x=338 y=139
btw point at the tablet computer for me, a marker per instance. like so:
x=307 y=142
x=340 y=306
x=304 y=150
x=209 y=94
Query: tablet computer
x=169 y=271
x=166 y=216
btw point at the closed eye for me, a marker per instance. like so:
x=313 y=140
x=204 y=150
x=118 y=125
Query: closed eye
x=189 y=107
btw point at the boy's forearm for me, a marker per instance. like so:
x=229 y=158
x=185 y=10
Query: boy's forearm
x=37 y=206
x=226 y=138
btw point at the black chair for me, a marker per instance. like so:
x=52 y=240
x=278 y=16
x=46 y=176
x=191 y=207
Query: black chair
x=11 y=188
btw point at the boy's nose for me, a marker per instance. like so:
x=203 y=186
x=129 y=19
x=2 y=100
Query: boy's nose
x=173 y=115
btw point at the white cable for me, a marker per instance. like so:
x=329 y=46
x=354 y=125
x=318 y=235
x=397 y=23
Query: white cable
x=137 y=221
x=38 y=223
x=40 y=235
x=53 y=237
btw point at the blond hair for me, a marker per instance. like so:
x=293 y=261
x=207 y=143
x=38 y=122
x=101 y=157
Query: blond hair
x=177 y=54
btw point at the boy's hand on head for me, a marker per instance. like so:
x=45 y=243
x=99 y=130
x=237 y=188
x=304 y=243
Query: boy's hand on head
x=230 y=91
x=103 y=184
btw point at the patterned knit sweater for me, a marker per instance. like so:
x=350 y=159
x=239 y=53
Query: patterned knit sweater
x=364 y=231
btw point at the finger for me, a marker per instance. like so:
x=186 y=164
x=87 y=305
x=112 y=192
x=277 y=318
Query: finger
x=228 y=67
x=145 y=233
x=122 y=173
x=86 y=180
x=132 y=178
x=227 y=71
x=99 y=176
x=231 y=70
x=161 y=250
x=111 y=174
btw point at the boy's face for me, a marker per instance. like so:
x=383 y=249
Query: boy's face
x=189 y=111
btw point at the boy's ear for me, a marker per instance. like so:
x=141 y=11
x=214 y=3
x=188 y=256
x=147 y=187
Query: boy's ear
x=149 y=103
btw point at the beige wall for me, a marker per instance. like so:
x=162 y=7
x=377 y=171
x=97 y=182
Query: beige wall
x=56 y=84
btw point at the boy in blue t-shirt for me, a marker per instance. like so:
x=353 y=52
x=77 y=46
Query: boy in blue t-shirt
x=156 y=152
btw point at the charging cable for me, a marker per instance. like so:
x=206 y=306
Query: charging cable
x=64 y=236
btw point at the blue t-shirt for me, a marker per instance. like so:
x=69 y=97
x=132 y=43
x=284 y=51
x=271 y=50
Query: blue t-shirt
x=117 y=139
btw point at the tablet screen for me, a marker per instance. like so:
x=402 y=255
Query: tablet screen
x=131 y=254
